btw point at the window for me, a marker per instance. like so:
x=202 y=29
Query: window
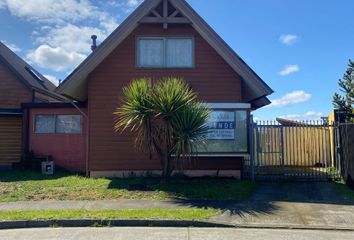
x=68 y=124
x=151 y=52
x=227 y=132
x=159 y=52
x=179 y=52
x=57 y=124
x=44 y=124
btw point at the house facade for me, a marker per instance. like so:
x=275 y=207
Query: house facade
x=19 y=83
x=164 y=38
x=161 y=38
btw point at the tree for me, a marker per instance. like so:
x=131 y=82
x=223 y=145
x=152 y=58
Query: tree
x=166 y=118
x=344 y=101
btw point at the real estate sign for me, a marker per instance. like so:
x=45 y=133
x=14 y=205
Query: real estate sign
x=221 y=125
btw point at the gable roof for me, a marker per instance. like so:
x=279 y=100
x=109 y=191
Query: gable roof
x=75 y=85
x=25 y=72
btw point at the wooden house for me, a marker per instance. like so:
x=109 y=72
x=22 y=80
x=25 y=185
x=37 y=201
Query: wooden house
x=163 y=38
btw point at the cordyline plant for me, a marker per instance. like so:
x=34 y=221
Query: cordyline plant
x=167 y=119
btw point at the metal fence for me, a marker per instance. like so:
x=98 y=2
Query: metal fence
x=344 y=139
x=292 y=151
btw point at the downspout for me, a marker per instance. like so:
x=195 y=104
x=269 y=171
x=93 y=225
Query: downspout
x=25 y=136
x=87 y=174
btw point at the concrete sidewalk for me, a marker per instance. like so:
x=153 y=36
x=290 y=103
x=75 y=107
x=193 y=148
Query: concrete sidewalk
x=171 y=234
x=303 y=205
x=296 y=204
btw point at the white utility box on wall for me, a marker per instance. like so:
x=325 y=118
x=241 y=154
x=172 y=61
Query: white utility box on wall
x=48 y=167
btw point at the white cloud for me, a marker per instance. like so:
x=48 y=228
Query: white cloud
x=51 y=10
x=109 y=24
x=57 y=59
x=53 y=79
x=71 y=38
x=291 y=98
x=13 y=47
x=63 y=29
x=289 y=69
x=133 y=3
x=310 y=115
x=59 y=12
x=288 y=39
x=127 y=6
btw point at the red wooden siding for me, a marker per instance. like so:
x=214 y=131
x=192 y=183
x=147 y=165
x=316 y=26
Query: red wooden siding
x=68 y=151
x=212 y=78
x=12 y=91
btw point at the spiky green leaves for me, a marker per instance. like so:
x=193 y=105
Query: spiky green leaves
x=166 y=116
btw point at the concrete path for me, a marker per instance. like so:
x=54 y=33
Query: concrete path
x=170 y=234
x=292 y=204
x=316 y=204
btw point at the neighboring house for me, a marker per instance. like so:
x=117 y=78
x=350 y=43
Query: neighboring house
x=19 y=83
x=163 y=38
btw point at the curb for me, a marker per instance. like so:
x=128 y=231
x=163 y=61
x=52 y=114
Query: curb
x=110 y=223
x=154 y=223
x=294 y=227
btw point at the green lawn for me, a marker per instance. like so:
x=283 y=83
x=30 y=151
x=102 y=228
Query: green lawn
x=30 y=186
x=179 y=214
x=345 y=190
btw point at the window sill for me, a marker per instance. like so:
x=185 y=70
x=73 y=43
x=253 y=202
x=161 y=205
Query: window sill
x=220 y=155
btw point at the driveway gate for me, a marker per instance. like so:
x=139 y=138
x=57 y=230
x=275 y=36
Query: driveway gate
x=292 y=151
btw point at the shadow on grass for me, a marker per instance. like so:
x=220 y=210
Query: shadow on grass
x=228 y=195
x=19 y=176
x=236 y=197
x=244 y=197
x=232 y=207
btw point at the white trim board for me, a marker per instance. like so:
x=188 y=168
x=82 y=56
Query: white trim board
x=229 y=105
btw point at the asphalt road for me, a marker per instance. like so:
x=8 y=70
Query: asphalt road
x=170 y=234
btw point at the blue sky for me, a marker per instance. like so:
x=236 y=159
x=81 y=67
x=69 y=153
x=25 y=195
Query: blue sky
x=299 y=47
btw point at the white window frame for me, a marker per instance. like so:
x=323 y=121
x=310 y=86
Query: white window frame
x=165 y=39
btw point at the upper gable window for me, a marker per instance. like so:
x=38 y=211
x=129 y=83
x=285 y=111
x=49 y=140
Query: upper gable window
x=165 y=52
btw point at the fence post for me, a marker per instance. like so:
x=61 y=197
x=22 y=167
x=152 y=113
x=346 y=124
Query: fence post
x=338 y=155
x=282 y=149
x=251 y=145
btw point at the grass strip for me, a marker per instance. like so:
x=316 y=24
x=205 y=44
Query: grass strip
x=345 y=191
x=30 y=186
x=166 y=214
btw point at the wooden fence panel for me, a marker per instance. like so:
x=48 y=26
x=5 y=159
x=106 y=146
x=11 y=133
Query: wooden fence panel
x=301 y=151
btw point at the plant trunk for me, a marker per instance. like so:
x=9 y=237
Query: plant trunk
x=167 y=159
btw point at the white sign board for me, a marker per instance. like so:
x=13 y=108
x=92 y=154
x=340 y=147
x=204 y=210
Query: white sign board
x=221 y=125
